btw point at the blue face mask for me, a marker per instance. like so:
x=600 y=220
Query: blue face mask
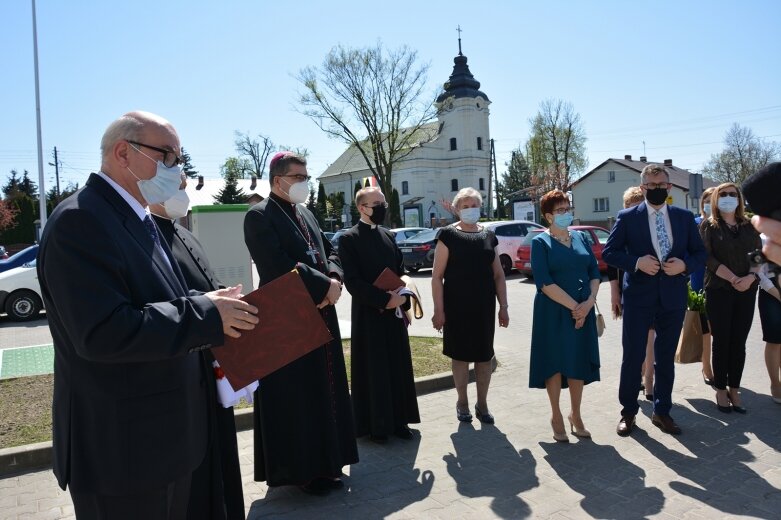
x=728 y=204
x=563 y=221
x=164 y=185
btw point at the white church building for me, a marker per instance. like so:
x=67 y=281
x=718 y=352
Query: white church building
x=451 y=153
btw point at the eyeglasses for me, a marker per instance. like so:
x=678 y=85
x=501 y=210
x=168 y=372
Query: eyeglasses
x=170 y=159
x=299 y=177
x=383 y=204
x=655 y=185
x=562 y=211
x=728 y=194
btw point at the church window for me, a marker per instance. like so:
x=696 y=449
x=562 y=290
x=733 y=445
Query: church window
x=479 y=143
x=481 y=182
x=453 y=143
x=404 y=188
x=453 y=184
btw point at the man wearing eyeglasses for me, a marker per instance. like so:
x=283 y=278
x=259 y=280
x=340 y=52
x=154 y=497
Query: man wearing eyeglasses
x=656 y=245
x=304 y=431
x=383 y=384
x=130 y=408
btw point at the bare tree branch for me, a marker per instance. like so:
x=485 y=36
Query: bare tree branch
x=744 y=153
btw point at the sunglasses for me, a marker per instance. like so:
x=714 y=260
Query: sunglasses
x=723 y=194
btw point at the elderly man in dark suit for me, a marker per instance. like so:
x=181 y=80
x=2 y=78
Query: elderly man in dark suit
x=130 y=399
x=656 y=246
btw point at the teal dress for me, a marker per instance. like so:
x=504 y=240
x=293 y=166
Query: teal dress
x=556 y=345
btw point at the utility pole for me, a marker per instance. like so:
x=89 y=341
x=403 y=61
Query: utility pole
x=56 y=171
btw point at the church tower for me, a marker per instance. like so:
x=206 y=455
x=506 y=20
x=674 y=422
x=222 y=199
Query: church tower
x=463 y=129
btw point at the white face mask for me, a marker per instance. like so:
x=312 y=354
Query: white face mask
x=163 y=185
x=469 y=215
x=706 y=208
x=178 y=205
x=298 y=192
x=728 y=204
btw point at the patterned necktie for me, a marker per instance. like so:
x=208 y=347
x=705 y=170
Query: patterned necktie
x=661 y=236
x=152 y=230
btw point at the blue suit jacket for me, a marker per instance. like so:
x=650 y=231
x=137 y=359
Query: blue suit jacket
x=630 y=239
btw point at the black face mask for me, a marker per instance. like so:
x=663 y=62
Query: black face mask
x=656 y=196
x=378 y=214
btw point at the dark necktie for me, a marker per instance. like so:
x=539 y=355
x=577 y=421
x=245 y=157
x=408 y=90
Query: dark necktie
x=152 y=230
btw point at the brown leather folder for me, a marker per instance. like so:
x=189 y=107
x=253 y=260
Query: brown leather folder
x=290 y=326
x=388 y=281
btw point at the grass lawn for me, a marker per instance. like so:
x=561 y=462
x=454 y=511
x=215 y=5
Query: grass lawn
x=26 y=402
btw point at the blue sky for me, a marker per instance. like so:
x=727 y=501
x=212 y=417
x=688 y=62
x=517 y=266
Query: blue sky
x=675 y=74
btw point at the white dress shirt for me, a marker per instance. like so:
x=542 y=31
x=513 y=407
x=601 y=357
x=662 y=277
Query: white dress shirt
x=652 y=224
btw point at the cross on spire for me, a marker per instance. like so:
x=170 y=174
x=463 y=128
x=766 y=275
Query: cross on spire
x=459 y=39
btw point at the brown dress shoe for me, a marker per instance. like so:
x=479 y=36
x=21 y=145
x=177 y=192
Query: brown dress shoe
x=625 y=425
x=666 y=424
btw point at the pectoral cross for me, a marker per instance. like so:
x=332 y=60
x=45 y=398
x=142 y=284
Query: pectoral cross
x=313 y=254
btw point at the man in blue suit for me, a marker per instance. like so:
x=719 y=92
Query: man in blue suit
x=656 y=246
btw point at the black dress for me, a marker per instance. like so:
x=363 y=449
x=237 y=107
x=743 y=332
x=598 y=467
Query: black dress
x=383 y=385
x=303 y=415
x=469 y=294
x=216 y=486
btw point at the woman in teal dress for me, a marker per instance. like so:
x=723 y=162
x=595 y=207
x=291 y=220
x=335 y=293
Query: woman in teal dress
x=564 y=350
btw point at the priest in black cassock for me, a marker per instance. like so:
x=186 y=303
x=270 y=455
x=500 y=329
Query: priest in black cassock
x=383 y=385
x=304 y=432
x=216 y=491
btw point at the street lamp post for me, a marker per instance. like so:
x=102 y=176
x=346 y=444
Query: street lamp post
x=42 y=190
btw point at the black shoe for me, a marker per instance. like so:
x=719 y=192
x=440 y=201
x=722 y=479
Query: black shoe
x=737 y=408
x=649 y=397
x=463 y=415
x=666 y=424
x=486 y=418
x=724 y=409
x=318 y=487
x=403 y=432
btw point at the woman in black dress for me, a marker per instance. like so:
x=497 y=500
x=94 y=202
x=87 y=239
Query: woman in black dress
x=466 y=282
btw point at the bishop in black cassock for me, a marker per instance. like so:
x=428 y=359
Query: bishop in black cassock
x=383 y=385
x=304 y=431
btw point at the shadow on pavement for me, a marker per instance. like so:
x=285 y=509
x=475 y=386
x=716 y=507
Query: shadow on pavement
x=716 y=470
x=485 y=464
x=383 y=482
x=612 y=487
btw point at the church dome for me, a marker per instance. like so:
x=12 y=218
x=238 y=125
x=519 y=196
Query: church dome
x=461 y=83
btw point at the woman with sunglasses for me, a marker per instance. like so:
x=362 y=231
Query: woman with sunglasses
x=564 y=349
x=730 y=290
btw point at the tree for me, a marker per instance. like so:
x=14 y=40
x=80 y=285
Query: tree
x=394 y=208
x=322 y=206
x=744 y=153
x=517 y=177
x=335 y=206
x=371 y=99
x=187 y=166
x=11 y=188
x=232 y=171
x=557 y=144
x=255 y=150
x=28 y=186
x=311 y=203
x=8 y=213
x=53 y=198
x=355 y=215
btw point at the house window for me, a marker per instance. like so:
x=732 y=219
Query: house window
x=481 y=182
x=601 y=205
x=480 y=144
x=404 y=188
x=611 y=176
x=453 y=143
x=453 y=184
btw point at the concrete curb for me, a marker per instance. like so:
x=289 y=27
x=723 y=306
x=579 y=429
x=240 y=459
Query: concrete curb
x=23 y=459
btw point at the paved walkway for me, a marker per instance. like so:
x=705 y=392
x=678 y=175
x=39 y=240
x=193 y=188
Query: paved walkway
x=723 y=466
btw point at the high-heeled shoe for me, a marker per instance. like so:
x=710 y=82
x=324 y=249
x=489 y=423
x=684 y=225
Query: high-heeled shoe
x=463 y=415
x=579 y=433
x=724 y=409
x=706 y=380
x=559 y=436
x=486 y=418
x=736 y=407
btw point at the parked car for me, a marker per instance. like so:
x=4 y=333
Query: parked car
x=329 y=235
x=20 y=292
x=510 y=235
x=595 y=236
x=22 y=257
x=405 y=233
x=3 y=253
x=418 y=251
x=335 y=238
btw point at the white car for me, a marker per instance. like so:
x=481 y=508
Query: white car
x=510 y=234
x=20 y=293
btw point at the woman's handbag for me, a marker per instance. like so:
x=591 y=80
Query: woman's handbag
x=600 y=321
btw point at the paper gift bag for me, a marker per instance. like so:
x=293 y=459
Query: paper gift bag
x=690 y=342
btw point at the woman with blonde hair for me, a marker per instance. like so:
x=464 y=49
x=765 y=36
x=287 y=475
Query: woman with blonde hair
x=466 y=281
x=730 y=290
x=564 y=348
x=697 y=279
